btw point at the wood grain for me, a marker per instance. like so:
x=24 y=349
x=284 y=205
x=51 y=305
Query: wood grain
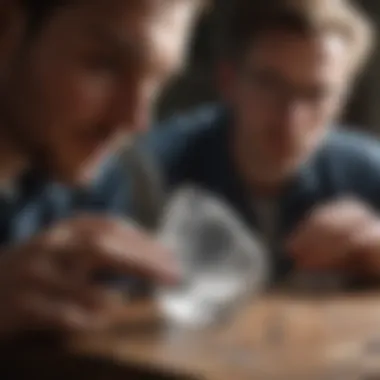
x=280 y=336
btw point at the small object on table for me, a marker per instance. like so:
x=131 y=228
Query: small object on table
x=222 y=261
x=317 y=283
x=128 y=287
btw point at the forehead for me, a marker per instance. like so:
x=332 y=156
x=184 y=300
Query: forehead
x=150 y=26
x=300 y=57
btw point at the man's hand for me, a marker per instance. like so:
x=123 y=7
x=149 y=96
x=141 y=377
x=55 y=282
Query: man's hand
x=342 y=236
x=47 y=282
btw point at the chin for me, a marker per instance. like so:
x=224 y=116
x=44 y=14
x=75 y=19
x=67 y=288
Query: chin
x=85 y=177
x=73 y=177
x=275 y=177
x=83 y=172
x=280 y=172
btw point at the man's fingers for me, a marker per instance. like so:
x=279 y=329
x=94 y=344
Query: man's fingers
x=50 y=278
x=327 y=232
x=129 y=254
x=43 y=311
x=48 y=310
x=366 y=241
x=97 y=298
x=319 y=263
x=136 y=256
x=46 y=277
x=114 y=245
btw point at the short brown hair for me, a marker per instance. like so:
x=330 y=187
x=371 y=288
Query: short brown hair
x=39 y=10
x=245 y=20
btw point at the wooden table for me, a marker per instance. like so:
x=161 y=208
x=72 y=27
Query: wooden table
x=279 y=337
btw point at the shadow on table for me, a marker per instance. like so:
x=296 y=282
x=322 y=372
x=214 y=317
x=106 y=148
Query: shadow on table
x=40 y=357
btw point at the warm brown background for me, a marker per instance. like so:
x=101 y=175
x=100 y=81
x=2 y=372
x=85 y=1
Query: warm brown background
x=196 y=86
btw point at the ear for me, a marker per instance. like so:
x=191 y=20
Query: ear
x=226 y=79
x=12 y=29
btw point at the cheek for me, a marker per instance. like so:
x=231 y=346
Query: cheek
x=253 y=109
x=320 y=118
x=77 y=98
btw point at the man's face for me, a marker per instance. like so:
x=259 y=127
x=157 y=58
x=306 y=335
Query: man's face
x=285 y=94
x=89 y=77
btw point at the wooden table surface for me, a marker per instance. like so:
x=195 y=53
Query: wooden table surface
x=279 y=336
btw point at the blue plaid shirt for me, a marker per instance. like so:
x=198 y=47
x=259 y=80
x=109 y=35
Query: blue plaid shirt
x=36 y=202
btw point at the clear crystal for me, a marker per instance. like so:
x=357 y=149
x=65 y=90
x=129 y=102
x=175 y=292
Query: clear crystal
x=223 y=262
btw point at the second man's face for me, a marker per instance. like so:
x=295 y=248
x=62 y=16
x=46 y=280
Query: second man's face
x=285 y=94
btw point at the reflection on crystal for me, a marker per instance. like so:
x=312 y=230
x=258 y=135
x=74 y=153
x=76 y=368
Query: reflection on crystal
x=222 y=261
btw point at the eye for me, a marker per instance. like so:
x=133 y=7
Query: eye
x=102 y=63
x=265 y=82
x=317 y=95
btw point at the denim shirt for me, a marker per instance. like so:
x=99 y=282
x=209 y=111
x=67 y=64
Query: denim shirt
x=195 y=149
x=37 y=202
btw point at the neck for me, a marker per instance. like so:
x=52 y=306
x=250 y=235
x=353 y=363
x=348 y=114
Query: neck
x=259 y=181
x=12 y=160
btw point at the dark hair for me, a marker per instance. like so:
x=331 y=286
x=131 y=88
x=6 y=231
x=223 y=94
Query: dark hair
x=38 y=10
x=243 y=21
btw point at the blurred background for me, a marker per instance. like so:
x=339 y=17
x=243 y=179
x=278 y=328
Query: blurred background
x=196 y=85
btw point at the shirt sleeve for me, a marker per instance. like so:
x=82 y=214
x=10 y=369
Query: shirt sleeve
x=172 y=143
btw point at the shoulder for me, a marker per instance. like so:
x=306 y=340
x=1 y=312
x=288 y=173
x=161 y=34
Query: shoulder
x=352 y=149
x=172 y=136
x=184 y=140
x=350 y=162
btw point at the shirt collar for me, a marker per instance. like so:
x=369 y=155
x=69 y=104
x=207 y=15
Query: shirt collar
x=35 y=179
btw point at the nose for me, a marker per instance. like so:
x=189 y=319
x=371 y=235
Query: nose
x=292 y=112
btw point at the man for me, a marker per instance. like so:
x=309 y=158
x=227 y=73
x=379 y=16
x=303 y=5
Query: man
x=272 y=150
x=76 y=79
